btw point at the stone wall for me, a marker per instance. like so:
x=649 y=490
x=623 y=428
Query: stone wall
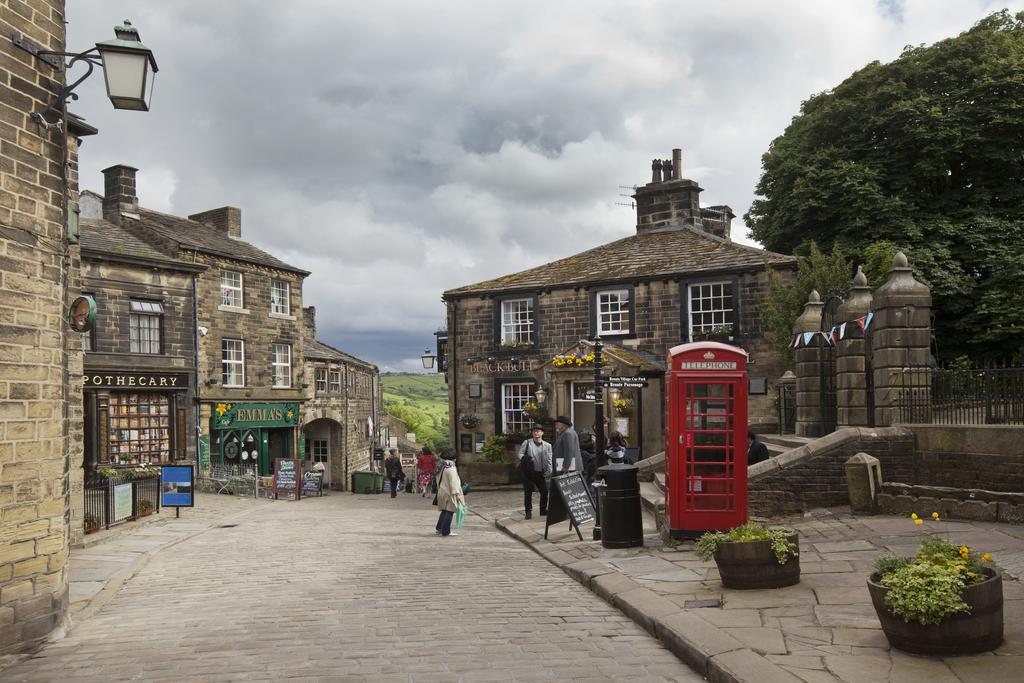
x=951 y=503
x=986 y=457
x=34 y=362
x=813 y=476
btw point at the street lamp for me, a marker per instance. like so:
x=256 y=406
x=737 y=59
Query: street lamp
x=428 y=359
x=541 y=394
x=128 y=66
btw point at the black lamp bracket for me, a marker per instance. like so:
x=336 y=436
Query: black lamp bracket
x=52 y=58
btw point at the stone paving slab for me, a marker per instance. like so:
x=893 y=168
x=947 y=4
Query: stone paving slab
x=822 y=630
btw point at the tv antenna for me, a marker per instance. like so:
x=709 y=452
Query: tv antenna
x=631 y=205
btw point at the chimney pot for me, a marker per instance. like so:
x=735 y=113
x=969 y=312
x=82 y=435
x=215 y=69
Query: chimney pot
x=677 y=163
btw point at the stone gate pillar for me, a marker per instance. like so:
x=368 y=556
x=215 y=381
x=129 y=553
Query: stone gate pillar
x=851 y=364
x=808 y=370
x=901 y=342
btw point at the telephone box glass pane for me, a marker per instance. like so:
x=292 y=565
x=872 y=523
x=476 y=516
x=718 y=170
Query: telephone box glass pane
x=710 y=448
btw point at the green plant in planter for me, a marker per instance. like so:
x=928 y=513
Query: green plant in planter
x=779 y=538
x=928 y=587
x=145 y=505
x=494 y=448
x=90 y=521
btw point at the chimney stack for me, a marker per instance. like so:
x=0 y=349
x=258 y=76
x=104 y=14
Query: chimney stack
x=309 y=321
x=227 y=219
x=677 y=163
x=119 y=192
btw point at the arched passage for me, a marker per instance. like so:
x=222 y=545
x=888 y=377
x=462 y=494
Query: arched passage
x=325 y=444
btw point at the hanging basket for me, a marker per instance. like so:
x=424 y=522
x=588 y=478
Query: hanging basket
x=470 y=421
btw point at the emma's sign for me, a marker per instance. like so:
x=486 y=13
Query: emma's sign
x=135 y=380
x=496 y=366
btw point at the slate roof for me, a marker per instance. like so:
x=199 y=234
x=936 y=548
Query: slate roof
x=313 y=348
x=201 y=237
x=652 y=255
x=105 y=237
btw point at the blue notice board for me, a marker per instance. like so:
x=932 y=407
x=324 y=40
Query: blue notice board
x=177 y=486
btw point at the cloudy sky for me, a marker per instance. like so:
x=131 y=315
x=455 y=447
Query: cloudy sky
x=398 y=149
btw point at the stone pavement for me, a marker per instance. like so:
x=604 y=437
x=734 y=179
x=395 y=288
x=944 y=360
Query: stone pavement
x=340 y=588
x=821 y=630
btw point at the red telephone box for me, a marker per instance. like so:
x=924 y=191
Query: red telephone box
x=706 y=438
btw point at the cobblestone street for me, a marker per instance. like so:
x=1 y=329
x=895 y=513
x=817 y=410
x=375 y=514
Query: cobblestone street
x=349 y=588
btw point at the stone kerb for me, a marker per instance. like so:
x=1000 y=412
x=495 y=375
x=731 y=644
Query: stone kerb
x=851 y=363
x=809 y=418
x=901 y=341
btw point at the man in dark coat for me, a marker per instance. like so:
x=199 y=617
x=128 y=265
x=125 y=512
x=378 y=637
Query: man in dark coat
x=566 y=453
x=756 y=451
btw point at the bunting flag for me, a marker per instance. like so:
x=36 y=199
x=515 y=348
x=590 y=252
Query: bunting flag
x=842 y=330
x=867 y=320
x=796 y=341
x=808 y=336
x=832 y=337
x=860 y=323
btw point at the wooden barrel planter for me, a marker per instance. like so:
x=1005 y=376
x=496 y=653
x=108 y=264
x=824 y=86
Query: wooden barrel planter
x=979 y=630
x=752 y=564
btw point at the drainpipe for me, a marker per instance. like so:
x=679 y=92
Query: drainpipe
x=195 y=350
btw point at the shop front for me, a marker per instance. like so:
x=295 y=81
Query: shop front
x=252 y=435
x=135 y=418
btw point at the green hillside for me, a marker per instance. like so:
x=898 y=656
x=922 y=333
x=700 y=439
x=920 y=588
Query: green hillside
x=422 y=402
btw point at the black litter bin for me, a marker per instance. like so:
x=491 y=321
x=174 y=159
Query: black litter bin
x=622 y=524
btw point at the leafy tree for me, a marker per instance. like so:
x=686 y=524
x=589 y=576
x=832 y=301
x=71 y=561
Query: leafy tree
x=820 y=271
x=925 y=154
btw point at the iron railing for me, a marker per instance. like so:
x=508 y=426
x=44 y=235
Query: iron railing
x=110 y=501
x=992 y=395
x=234 y=479
x=787 y=407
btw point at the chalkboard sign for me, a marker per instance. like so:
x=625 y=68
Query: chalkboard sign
x=313 y=483
x=570 y=499
x=286 y=478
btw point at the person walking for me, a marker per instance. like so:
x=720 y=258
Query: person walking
x=393 y=468
x=588 y=451
x=535 y=466
x=426 y=465
x=449 y=495
x=566 y=452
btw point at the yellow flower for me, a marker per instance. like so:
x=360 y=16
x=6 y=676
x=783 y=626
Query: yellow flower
x=986 y=557
x=965 y=552
x=935 y=516
x=913 y=515
x=918 y=521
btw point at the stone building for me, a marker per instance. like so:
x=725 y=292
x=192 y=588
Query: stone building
x=678 y=278
x=38 y=352
x=248 y=326
x=139 y=370
x=342 y=411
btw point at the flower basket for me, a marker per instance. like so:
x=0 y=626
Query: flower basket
x=979 y=630
x=470 y=421
x=533 y=411
x=752 y=556
x=573 y=360
x=91 y=524
x=623 y=406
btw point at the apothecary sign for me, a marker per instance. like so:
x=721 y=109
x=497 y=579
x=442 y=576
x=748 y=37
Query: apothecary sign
x=135 y=380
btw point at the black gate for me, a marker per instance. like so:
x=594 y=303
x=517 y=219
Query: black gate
x=827 y=360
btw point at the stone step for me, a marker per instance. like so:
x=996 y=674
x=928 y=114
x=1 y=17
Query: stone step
x=659 y=481
x=653 y=501
x=775 y=449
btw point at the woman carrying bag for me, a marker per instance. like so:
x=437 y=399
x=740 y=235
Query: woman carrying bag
x=449 y=494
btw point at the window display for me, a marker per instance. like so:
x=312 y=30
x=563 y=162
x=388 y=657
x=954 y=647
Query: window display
x=140 y=428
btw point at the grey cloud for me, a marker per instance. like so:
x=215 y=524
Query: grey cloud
x=397 y=149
